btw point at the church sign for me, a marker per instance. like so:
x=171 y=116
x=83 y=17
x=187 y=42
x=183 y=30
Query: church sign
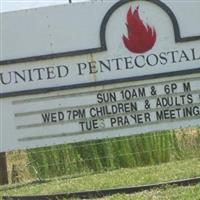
x=57 y=87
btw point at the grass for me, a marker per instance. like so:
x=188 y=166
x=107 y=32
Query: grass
x=99 y=155
x=170 y=193
x=117 y=178
x=116 y=153
x=119 y=162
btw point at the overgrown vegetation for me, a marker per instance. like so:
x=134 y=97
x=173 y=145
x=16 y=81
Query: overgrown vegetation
x=117 y=178
x=110 y=154
x=131 y=160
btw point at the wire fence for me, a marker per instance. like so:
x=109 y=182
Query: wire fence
x=80 y=159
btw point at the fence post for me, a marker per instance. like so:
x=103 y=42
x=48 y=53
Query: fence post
x=3 y=169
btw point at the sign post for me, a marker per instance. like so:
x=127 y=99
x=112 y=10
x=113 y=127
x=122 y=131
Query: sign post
x=3 y=169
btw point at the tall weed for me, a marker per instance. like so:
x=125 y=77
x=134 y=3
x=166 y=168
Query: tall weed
x=109 y=154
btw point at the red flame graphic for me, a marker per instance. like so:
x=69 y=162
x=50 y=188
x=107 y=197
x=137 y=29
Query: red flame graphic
x=141 y=37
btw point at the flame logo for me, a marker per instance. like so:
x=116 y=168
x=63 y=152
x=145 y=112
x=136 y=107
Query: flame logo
x=141 y=37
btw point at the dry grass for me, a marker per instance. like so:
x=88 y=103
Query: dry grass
x=19 y=160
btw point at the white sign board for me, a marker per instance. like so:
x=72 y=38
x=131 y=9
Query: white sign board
x=144 y=75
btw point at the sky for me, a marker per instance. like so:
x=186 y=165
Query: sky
x=11 y=5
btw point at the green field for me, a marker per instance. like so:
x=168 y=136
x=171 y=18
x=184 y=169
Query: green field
x=112 y=163
x=124 y=177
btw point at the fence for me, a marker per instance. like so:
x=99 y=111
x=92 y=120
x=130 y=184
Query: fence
x=72 y=160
